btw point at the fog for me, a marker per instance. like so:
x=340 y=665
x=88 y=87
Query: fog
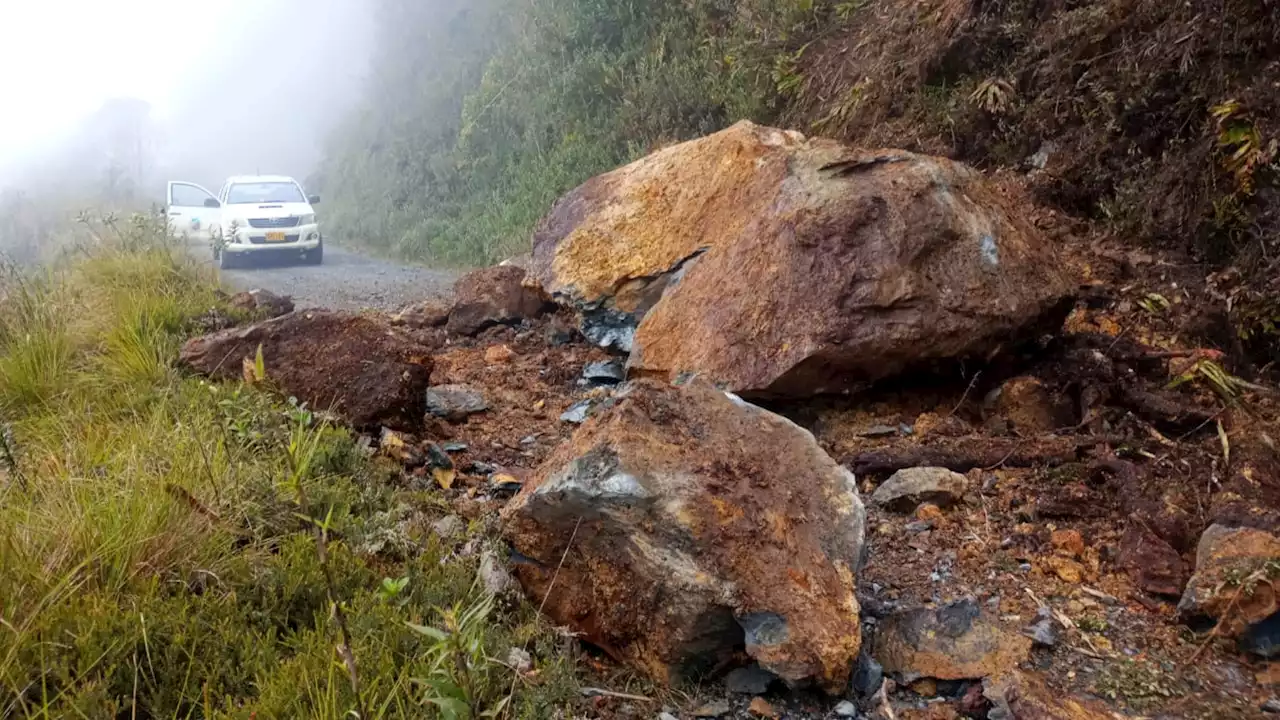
x=110 y=99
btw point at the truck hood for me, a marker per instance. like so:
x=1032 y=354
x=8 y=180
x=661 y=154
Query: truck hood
x=245 y=212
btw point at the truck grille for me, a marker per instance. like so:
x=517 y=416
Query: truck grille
x=282 y=222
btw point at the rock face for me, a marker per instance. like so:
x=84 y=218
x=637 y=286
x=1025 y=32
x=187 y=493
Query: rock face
x=421 y=315
x=495 y=295
x=696 y=524
x=954 y=642
x=776 y=265
x=353 y=365
x=907 y=488
x=1244 y=560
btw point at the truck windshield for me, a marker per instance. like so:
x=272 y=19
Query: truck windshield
x=264 y=192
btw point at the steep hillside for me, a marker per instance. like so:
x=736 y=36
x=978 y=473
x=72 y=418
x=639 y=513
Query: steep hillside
x=1153 y=122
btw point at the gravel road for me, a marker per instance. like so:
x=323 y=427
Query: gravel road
x=346 y=281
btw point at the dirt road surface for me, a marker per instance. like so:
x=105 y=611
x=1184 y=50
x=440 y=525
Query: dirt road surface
x=346 y=281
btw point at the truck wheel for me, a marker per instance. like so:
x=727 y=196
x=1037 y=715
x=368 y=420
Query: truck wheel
x=316 y=257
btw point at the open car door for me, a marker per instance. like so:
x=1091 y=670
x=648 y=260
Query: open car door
x=193 y=211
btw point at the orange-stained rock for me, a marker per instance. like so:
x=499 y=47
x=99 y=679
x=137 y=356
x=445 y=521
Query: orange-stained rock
x=954 y=642
x=498 y=354
x=497 y=295
x=264 y=304
x=1250 y=497
x=1018 y=695
x=762 y=708
x=1067 y=542
x=1028 y=406
x=699 y=523
x=778 y=265
x=1238 y=559
x=355 y=365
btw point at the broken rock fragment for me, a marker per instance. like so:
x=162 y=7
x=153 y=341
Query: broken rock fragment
x=1237 y=584
x=775 y=265
x=1017 y=695
x=263 y=303
x=700 y=525
x=497 y=295
x=953 y=642
x=455 y=402
x=908 y=488
x=355 y=365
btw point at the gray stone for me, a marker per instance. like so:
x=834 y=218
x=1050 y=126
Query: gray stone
x=909 y=487
x=494 y=575
x=667 y=716
x=867 y=676
x=1271 y=706
x=845 y=709
x=577 y=412
x=449 y=527
x=1044 y=631
x=519 y=660
x=605 y=372
x=751 y=680
x=455 y=402
x=713 y=709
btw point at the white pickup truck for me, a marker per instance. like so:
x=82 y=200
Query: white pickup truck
x=251 y=214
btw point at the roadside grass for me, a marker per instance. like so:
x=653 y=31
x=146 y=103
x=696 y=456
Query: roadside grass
x=170 y=547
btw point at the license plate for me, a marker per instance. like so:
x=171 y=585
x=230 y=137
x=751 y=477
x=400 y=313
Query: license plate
x=276 y=237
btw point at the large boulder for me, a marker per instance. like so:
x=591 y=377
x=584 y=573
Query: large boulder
x=681 y=524
x=354 y=365
x=498 y=295
x=776 y=265
x=954 y=642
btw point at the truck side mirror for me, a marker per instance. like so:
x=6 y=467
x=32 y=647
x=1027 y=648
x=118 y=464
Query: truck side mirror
x=313 y=199
x=211 y=203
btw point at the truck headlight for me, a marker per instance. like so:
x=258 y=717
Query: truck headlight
x=307 y=219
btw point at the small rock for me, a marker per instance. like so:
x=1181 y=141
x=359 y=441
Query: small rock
x=664 y=715
x=264 y=303
x=498 y=354
x=928 y=512
x=760 y=707
x=1066 y=569
x=400 y=447
x=494 y=575
x=1044 y=631
x=426 y=314
x=519 y=660
x=907 y=488
x=1027 y=405
x=1152 y=564
x=605 y=372
x=877 y=431
x=1271 y=706
x=925 y=687
x=867 y=676
x=972 y=704
x=751 y=680
x=455 y=402
x=845 y=709
x=918 y=526
x=453 y=447
x=1067 y=542
x=577 y=412
x=449 y=527
x=954 y=642
x=505 y=483
x=713 y=709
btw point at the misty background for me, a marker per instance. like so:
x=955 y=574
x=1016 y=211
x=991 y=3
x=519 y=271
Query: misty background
x=107 y=101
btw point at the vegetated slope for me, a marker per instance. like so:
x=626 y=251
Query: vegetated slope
x=1155 y=121
x=158 y=534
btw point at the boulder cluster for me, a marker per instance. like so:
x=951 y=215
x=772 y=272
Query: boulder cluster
x=684 y=529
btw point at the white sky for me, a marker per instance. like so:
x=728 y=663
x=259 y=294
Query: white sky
x=60 y=59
